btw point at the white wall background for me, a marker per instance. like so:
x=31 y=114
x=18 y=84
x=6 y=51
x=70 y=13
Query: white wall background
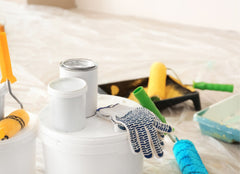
x=221 y=14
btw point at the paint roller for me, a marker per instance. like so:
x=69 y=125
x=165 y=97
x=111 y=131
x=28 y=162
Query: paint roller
x=157 y=89
x=17 y=120
x=157 y=81
x=184 y=151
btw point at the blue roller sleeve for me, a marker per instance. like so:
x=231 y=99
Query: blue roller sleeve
x=188 y=158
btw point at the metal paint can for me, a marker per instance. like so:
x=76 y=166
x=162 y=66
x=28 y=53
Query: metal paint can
x=85 y=69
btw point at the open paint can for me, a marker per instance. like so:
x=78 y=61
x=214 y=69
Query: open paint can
x=85 y=69
x=98 y=148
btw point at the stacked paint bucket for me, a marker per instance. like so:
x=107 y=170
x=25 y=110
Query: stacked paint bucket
x=17 y=148
x=74 y=139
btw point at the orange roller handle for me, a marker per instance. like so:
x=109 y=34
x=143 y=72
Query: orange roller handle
x=5 y=63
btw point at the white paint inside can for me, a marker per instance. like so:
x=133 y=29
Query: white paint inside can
x=68 y=103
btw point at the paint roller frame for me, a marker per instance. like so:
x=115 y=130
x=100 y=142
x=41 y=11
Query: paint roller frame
x=127 y=86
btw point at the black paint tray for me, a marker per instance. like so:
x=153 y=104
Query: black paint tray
x=125 y=88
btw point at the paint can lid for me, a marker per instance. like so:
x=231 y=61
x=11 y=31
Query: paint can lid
x=78 y=64
x=67 y=87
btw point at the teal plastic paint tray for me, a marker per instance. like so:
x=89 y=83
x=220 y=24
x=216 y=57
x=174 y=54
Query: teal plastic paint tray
x=221 y=120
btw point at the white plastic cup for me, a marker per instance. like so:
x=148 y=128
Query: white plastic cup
x=68 y=104
x=3 y=91
x=18 y=153
x=85 y=69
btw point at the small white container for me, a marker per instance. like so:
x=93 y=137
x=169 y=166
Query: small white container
x=85 y=69
x=68 y=103
x=18 y=153
x=3 y=91
x=97 y=149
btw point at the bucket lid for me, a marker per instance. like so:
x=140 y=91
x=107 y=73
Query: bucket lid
x=27 y=133
x=67 y=87
x=98 y=131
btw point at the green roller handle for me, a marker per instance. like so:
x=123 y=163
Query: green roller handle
x=146 y=102
x=213 y=86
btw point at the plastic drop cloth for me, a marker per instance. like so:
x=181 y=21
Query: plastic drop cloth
x=124 y=48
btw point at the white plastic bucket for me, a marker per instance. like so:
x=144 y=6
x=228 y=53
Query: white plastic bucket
x=3 y=91
x=17 y=154
x=97 y=149
x=68 y=103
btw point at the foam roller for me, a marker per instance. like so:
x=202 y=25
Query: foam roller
x=13 y=123
x=157 y=81
x=188 y=158
x=213 y=86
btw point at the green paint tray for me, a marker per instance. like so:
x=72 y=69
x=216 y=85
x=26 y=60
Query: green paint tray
x=126 y=87
x=221 y=120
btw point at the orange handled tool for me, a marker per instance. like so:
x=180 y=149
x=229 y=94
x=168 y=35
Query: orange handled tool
x=18 y=119
x=5 y=63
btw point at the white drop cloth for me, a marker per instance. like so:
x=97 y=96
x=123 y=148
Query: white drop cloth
x=124 y=48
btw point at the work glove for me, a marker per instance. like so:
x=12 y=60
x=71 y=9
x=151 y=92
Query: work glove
x=145 y=130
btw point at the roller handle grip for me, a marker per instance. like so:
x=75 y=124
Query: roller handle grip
x=213 y=86
x=5 y=62
x=146 y=102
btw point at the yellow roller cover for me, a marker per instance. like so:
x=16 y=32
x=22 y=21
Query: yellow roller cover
x=157 y=81
x=13 y=123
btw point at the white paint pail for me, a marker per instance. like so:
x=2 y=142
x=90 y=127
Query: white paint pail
x=97 y=149
x=18 y=153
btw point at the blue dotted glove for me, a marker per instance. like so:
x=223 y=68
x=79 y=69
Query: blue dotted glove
x=145 y=130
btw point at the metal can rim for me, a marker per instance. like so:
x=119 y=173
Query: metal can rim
x=92 y=65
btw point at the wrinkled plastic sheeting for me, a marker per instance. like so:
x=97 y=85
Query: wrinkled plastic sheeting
x=124 y=48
